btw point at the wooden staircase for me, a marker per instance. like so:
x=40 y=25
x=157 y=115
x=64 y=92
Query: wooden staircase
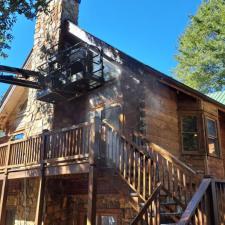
x=160 y=185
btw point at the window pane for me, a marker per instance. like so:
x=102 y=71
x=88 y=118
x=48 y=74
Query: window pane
x=108 y=220
x=190 y=142
x=211 y=126
x=17 y=137
x=213 y=146
x=2 y=133
x=189 y=124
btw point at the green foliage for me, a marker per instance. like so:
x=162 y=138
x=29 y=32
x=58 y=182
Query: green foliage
x=9 y=9
x=201 y=53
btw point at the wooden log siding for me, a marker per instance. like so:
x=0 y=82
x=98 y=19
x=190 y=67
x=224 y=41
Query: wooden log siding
x=66 y=144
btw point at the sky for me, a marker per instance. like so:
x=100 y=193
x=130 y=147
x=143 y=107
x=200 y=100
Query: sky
x=148 y=30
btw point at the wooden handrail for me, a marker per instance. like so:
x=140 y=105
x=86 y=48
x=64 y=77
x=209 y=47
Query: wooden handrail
x=134 y=165
x=193 y=204
x=85 y=124
x=124 y=137
x=3 y=145
x=170 y=157
x=138 y=165
x=147 y=204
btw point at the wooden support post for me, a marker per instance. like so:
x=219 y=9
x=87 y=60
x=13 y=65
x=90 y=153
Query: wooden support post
x=92 y=187
x=95 y=137
x=41 y=191
x=92 y=183
x=3 y=200
x=4 y=189
x=215 y=213
x=40 y=201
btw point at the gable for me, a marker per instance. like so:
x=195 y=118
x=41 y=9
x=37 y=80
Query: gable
x=11 y=104
x=12 y=99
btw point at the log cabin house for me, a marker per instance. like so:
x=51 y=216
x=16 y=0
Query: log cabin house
x=93 y=136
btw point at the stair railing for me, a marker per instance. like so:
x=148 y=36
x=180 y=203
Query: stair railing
x=150 y=211
x=143 y=167
x=178 y=180
x=207 y=205
x=219 y=202
x=136 y=167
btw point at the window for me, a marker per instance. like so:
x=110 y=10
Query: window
x=111 y=71
x=212 y=133
x=106 y=220
x=189 y=128
x=17 y=137
x=2 y=134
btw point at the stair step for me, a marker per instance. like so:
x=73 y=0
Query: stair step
x=133 y=194
x=163 y=195
x=168 y=224
x=168 y=203
x=170 y=213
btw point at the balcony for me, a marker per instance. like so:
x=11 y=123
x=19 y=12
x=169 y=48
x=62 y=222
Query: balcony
x=59 y=152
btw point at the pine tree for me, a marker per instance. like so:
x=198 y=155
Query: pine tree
x=201 y=53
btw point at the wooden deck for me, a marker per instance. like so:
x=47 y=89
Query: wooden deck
x=60 y=152
x=92 y=148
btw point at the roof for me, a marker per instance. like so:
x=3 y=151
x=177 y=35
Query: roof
x=219 y=96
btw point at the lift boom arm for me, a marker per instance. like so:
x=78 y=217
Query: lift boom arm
x=6 y=76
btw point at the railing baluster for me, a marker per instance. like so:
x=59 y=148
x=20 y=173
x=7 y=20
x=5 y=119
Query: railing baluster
x=124 y=158
x=149 y=177
x=139 y=173
x=134 y=168
x=144 y=176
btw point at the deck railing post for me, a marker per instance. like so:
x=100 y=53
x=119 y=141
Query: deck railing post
x=215 y=218
x=95 y=141
x=3 y=200
x=4 y=189
x=92 y=182
x=41 y=190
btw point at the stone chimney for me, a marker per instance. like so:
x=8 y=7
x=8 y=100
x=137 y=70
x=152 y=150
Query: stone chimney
x=49 y=26
x=48 y=33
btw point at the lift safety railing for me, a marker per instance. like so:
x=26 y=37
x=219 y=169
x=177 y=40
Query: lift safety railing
x=89 y=58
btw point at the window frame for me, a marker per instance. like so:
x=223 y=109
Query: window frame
x=218 y=154
x=198 y=116
x=99 y=215
x=17 y=133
